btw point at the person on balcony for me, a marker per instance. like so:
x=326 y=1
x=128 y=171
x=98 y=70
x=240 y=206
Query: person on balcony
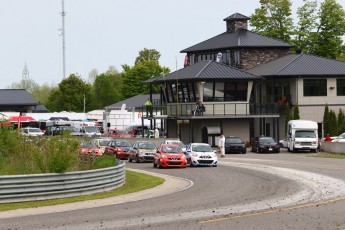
x=148 y=106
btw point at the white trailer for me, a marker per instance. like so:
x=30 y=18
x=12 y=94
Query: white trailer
x=302 y=135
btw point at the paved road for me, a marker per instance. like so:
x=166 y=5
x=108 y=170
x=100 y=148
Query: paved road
x=251 y=191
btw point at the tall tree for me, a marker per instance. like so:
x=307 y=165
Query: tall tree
x=326 y=39
x=72 y=95
x=296 y=112
x=307 y=22
x=133 y=77
x=341 y=121
x=326 y=125
x=106 y=89
x=273 y=19
x=147 y=55
x=29 y=84
x=333 y=123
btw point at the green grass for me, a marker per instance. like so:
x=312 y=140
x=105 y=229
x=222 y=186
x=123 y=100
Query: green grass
x=329 y=155
x=134 y=182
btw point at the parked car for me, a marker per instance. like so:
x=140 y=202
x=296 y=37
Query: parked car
x=283 y=143
x=201 y=155
x=101 y=143
x=176 y=142
x=142 y=151
x=169 y=155
x=234 y=145
x=89 y=148
x=136 y=130
x=340 y=138
x=265 y=144
x=118 y=147
x=119 y=133
x=32 y=132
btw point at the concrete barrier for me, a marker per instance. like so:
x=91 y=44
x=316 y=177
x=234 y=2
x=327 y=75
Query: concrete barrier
x=333 y=147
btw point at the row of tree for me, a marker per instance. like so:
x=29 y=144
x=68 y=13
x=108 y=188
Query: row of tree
x=76 y=94
x=333 y=124
x=319 y=27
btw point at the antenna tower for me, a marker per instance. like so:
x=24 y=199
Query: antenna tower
x=25 y=76
x=62 y=33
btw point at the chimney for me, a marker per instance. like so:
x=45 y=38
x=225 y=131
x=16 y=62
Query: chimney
x=236 y=22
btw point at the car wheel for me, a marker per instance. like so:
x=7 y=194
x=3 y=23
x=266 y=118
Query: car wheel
x=214 y=165
x=244 y=152
x=154 y=164
x=137 y=159
x=278 y=151
x=315 y=150
x=159 y=164
x=129 y=159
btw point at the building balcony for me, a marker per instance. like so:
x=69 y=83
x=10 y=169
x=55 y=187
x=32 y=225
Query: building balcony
x=213 y=109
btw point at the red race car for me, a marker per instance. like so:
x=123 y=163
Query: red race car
x=119 y=133
x=170 y=155
x=118 y=147
x=88 y=148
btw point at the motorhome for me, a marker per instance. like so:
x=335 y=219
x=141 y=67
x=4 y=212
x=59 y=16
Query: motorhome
x=302 y=135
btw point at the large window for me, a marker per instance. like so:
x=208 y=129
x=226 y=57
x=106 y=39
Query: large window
x=185 y=92
x=315 y=87
x=229 y=91
x=340 y=87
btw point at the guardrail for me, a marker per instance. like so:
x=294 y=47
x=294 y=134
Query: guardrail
x=33 y=187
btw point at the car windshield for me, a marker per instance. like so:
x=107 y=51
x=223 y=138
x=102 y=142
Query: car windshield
x=104 y=142
x=123 y=144
x=87 y=145
x=91 y=129
x=233 y=140
x=302 y=133
x=342 y=136
x=146 y=146
x=179 y=143
x=202 y=148
x=171 y=149
x=35 y=131
x=266 y=140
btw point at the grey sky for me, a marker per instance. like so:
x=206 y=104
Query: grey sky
x=103 y=33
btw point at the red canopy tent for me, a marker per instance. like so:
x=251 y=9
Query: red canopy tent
x=20 y=119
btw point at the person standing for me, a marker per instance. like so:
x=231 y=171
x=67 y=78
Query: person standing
x=156 y=132
x=221 y=145
x=148 y=106
x=328 y=138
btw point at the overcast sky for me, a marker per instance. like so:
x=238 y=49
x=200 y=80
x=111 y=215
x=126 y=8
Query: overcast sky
x=103 y=33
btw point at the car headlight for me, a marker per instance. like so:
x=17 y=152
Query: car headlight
x=183 y=157
x=297 y=142
x=164 y=156
x=195 y=154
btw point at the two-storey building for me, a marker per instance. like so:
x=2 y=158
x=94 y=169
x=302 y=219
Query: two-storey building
x=244 y=80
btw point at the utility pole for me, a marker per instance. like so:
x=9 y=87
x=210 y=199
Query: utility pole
x=62 y=33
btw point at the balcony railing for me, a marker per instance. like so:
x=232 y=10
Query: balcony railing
x=215 y=109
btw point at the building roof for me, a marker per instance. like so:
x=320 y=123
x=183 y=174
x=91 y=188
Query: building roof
x=205 y=70
x=300 y=65
x=134 y=102
x=239 y=39
x=16 y=97
x=236 y=16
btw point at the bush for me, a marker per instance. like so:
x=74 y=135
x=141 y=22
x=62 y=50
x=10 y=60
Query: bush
x=53 y=154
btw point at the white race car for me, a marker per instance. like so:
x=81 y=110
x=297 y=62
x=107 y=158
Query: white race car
x=201 y=154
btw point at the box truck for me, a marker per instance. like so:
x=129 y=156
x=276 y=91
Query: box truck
x=302 y=135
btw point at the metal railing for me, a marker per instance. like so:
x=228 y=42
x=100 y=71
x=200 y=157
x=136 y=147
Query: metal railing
x=33 y=187
x=188 y=109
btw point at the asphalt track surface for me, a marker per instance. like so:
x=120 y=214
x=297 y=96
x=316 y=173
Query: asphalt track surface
x=251 y=191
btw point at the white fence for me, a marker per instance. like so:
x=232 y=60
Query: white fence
x=33 y=187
